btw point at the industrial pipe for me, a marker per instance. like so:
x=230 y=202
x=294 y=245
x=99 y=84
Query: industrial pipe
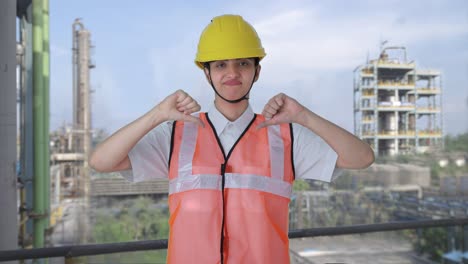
x=39 y=211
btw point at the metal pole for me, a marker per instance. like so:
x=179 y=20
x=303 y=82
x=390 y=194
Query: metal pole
x=84 y=79
x=75 y=75
x=39 y=212
x=8 y=203
x=27 y=142
x=29 y=123
x=82 y=111
x=46 y=78
x=21 y=174
x=465 y=244
x=57 y=178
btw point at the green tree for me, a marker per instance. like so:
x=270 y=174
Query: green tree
x=456 y=143
x=300 y=185
x=432 y=242
x=139 y=219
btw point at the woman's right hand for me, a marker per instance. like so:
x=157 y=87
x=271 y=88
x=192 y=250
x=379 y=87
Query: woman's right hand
x=112 y=153
x=179 y=106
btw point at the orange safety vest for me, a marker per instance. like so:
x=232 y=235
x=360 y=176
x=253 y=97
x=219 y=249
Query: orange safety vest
x=231 y=204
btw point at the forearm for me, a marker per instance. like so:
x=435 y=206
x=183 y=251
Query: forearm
x=112 y=153
x=352 y=152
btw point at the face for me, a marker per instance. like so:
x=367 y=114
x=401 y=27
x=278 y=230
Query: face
x=233 y=78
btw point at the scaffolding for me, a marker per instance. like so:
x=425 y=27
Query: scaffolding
x=398 y=107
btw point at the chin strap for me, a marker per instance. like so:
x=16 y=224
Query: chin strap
x=245 y=97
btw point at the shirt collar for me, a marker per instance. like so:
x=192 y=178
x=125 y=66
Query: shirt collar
x=219 y=121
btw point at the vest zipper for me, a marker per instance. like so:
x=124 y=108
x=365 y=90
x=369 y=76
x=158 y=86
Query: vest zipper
x=223 y=180
x=223 y=172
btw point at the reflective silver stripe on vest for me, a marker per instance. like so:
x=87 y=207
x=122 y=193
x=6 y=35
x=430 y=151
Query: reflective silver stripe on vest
x=185 y=181
x=187 y=148
x=233 y=181
x=259 y=183
x=195 y=182
x=276 y=152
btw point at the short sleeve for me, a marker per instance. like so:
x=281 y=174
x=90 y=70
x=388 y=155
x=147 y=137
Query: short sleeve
x=313 y=158
x=150 y=156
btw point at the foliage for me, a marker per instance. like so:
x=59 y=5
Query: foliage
x=403 y=159
x=432 y=242
x=139 y=219
x=435 y=171
x=300 y=185
x=458 y=143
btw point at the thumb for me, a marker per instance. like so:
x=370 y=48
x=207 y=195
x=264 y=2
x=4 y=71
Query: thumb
x=266 y=123
x=193 y=119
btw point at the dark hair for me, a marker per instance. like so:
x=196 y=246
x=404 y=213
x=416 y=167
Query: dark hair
x=206 y=65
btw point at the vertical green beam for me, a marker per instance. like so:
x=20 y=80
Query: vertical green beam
x=46 y=79
x=38 y=124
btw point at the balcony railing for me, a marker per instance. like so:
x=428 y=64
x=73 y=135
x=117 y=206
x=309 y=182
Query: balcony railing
x=402 y=133
x=99 y=249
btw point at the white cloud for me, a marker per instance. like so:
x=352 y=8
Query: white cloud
x=298 y=39
x=281 y=23
x=311 y=48
x=311 y=57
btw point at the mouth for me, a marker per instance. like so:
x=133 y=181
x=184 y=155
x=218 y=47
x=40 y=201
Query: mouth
x=232 y=83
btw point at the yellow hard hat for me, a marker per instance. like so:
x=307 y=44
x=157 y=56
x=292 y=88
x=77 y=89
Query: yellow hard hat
x=228 y=37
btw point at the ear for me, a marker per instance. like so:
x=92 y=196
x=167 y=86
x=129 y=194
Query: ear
x=257 y=74
x=207 y=74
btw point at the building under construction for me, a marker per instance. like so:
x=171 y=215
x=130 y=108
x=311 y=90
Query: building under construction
x=397 y=106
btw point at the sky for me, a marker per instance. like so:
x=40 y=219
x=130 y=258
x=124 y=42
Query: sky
x=144 y=51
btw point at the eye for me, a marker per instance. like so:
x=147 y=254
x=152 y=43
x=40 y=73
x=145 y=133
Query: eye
x=220 y=65
x=244 y=63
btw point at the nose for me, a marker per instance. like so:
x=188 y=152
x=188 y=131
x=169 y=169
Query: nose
x=233 y=70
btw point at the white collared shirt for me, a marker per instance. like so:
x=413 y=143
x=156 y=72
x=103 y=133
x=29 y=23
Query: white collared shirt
x=313 y=157
x=228 y=132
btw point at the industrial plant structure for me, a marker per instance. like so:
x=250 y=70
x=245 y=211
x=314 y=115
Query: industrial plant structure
x=397 y=106
x=51 y=166
x=397 y=109
x=71 y=146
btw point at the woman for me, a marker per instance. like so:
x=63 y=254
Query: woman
x=230 y=170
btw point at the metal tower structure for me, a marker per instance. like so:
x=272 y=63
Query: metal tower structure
x=81 y=87
x=71 y=146
x=81 y=142
x=398 y=107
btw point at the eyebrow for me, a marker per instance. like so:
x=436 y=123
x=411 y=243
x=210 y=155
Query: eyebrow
x=236 y=60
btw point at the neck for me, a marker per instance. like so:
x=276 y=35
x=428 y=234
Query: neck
x=231 y=111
